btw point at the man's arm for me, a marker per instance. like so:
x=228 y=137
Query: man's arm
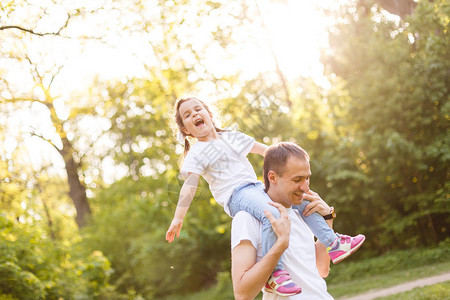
x=250 y=276
x=322 y=208
x=322 y=257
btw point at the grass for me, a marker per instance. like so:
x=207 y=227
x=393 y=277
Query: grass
x=359 y=276
x=433 y=292
x=352 y=278
x=363 y=285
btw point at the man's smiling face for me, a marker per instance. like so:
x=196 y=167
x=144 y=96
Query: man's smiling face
x=293 y=183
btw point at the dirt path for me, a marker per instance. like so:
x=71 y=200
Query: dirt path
x=401 y=287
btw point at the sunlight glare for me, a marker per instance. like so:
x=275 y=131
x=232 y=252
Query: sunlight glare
x=296 y=31
x=293 y=36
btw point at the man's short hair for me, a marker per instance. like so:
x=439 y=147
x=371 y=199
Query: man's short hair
x=276 y=157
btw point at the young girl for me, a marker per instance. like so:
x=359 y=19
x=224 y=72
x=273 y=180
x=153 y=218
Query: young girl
x=220 y=156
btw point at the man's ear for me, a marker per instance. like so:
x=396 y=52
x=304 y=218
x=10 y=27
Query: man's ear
x=272 y=176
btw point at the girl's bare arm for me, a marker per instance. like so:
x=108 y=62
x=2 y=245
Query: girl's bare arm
x=187 y=193
x=259 y=148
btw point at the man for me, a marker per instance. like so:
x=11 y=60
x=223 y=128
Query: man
x=286 y=177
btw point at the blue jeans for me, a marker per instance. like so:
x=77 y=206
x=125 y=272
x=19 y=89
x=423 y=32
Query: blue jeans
x=252 y=198
x=317 y=225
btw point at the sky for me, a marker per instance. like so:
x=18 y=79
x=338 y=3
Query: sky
x=294 y=32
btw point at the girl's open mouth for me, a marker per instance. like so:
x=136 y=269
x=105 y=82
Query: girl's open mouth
x=199 y=122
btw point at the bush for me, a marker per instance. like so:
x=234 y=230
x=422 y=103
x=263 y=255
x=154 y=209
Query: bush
x=32 y=266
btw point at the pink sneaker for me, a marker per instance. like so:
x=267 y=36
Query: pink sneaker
x=280 y=283
x=344 y=246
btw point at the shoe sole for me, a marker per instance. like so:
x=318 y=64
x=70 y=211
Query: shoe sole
x=280 y=294
x=344 y=256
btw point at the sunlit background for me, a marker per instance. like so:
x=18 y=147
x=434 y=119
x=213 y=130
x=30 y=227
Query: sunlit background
x=89 y=166
x=291 y=34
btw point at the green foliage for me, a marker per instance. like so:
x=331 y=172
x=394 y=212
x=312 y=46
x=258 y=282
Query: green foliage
x=222 y=290
x=21 y=283
x=7 y=297
x=32 y=266
x=135 y=244
x=396 y=123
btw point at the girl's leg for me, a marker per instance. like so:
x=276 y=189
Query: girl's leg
x=252 y=199
x=318 y=225
x=339 y=246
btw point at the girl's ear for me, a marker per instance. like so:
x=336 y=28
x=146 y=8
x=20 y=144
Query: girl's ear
x=185 y=131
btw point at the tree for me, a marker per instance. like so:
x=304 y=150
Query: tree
x=42 y=77
x=42 y=95
x=395 y=87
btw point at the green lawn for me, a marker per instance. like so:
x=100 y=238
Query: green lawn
x=363 y=285
x=353 y=277
x=357 y=277
x=433 y=292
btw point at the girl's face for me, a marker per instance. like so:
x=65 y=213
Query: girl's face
x=197 y=121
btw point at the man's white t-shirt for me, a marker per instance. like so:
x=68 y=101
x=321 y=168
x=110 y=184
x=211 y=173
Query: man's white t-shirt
x=299 y=259
x=223 y=163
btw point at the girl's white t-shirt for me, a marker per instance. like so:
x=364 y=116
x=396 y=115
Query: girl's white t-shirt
x=223 y=163
x=299 y=259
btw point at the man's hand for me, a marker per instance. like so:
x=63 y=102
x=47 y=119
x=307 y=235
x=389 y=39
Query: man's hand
x=174 y=229
x=249 y=276
x=281 y=226
x=316 y=205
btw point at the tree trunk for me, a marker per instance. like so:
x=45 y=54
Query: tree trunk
x=401 y=8
x=46 y=210
x=77 y=190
